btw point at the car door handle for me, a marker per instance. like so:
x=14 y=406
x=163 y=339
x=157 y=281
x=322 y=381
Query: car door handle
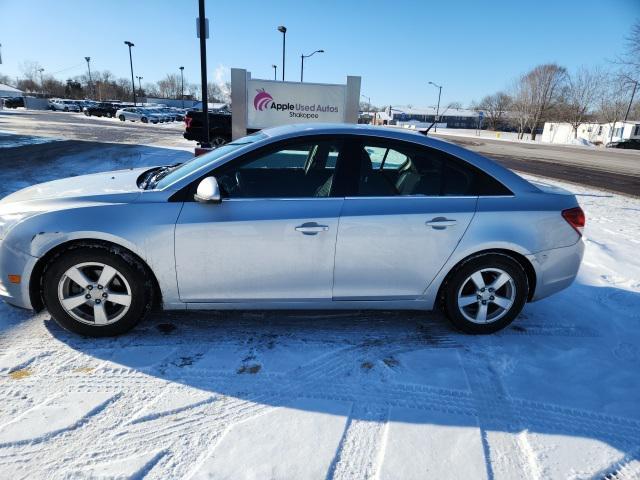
x=440 y=223
x=311 y=228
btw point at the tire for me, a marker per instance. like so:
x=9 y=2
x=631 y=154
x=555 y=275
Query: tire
x=87 y=114
x=471 y=304
x=144 y=120
x=121 y=117
x=96 y=316
x=109 y=115
x=66 y=109
x=218 y=141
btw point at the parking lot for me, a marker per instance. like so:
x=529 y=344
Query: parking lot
x=343 y=395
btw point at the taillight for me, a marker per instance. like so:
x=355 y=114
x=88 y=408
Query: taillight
x=575 y=217
x=187 y=122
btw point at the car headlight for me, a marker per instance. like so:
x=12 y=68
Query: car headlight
x=10 y=220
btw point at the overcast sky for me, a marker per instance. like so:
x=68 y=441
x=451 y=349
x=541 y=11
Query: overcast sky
x=470 y=47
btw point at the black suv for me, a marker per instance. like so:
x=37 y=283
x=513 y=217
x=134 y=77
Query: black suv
x=14 y=102
x=103 y=109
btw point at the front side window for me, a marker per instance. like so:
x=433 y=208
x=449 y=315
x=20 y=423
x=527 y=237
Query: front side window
x=404 y=169
x=295 y=170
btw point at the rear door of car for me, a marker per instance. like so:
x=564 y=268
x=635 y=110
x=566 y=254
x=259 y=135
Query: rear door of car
x=407 y=211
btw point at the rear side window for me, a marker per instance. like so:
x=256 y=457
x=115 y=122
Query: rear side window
x=404 y=169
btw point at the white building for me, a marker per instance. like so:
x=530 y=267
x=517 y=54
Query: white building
x=596 y=133
x=9 y=91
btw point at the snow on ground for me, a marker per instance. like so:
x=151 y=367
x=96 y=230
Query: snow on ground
x=344 y=395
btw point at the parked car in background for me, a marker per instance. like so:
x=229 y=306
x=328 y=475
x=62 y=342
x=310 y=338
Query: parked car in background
x=64 y=105
x=333 y=216
x=161 y=114
x=219 y=127
x=102 y=109
x=14 y=102
x=137 y=114
x=632 y=144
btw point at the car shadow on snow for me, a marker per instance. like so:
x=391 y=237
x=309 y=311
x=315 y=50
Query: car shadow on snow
x=563 y=368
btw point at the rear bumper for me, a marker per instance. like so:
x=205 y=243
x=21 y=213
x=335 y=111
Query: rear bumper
x=556 y=269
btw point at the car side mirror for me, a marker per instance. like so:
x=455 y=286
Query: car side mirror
x=208 y=191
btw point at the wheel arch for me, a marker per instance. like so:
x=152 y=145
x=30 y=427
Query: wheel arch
x=35 y=280
x=518 y=257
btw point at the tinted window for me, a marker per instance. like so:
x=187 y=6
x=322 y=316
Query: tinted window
x=397 y=168
x=293 y=170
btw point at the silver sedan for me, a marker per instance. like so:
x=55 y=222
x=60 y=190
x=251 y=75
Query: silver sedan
x=308 y=217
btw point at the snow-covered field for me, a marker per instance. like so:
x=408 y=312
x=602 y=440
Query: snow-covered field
x=353 y=395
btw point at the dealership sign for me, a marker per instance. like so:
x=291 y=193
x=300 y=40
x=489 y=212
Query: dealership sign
x=272 y=103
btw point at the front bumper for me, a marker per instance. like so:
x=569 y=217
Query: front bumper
x=15 y=262
x=556 y=269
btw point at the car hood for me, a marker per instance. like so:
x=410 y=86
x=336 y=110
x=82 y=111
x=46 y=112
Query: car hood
x=98 y=184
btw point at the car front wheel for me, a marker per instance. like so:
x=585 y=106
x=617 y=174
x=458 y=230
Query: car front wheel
x=96 y=291
x=109 y=114
x=486 y=293
x=121 y=117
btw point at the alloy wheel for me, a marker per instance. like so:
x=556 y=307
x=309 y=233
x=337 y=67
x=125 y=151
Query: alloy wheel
x=486 y=295
x=94 y=293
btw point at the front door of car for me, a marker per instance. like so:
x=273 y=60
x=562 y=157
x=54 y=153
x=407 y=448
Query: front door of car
x=409 y=210
x=273 y=235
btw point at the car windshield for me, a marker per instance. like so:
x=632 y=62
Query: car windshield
x=198 y=162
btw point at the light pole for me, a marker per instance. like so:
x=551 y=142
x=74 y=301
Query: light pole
x=182 y=85
x=368 y=104
x=139 y=85
x=133 y=83
x=275 y=72
x=40 y=70
x=439 y=87
x=202 y=21
x=302 y=57
x=283 y=29
x=88 y=59
x=633 y=94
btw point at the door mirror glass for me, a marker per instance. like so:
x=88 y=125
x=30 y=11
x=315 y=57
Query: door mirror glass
x=208 y=191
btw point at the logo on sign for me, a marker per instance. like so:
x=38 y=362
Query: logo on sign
x=262 y=100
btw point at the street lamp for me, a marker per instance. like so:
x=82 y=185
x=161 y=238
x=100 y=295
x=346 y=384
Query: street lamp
x=302 y=57
x=439 y=87
x=88 y=59
x=133 y=83
x=182 y=85
x=40 y=70
x=139 y=85
x=633 y=94
x=275 y=72
x=283 y=29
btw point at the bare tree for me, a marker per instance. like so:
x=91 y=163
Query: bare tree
x=630 y=60
x=612 y=102
x=169 y=86
x=545 y=82
x=522 y=105
x=580 y=96
x=456 y=105
x=495 y=108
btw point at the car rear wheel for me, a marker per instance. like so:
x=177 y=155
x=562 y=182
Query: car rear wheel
x=121 y=117
x=144 y=120
x=96 y=291
x=486 y=293
x=87 y=113
x=66 y=109
x=218 y=141
x=109 y=115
